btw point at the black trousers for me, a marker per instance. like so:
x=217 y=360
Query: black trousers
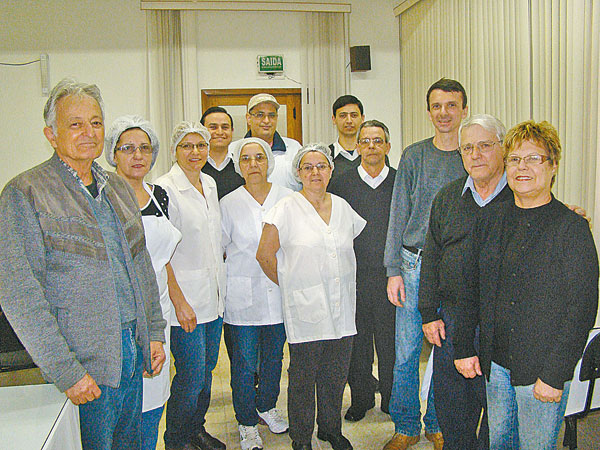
x=323 y=364
x=375 y=321
x=459 y=401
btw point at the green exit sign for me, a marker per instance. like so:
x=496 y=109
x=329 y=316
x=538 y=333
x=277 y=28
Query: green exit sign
x=270 y=63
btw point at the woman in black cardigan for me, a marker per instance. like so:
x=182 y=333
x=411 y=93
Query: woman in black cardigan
x=533 y=292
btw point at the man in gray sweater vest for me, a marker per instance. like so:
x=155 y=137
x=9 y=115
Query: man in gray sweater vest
x=425 y=167
x=78 y=285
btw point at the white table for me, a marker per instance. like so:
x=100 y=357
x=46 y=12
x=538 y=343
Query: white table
x=38 y=417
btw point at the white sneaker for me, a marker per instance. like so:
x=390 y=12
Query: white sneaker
x=249 y=438
x=275 y=420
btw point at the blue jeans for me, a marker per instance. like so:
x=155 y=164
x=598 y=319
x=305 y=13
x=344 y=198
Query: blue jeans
x=150 y=422
x=405 y=406
x=195 y=356
x=112 y=421
x=517 y=420
x=255 y=349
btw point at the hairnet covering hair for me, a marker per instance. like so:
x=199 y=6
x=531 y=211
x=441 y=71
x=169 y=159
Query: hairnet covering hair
x=239 y=145
x=321 y=148
x=187 y=127
x=122 y=124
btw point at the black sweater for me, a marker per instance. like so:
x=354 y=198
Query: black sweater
x=450 y=224
x=227 y=179
x=373 y=205
x=533 y=276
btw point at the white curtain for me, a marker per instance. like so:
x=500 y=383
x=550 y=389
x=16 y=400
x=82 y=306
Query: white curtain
x=518 y=60
x=323 y=74
x=165 y=83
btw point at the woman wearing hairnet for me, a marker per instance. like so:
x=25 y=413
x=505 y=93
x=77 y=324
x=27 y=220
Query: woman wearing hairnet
x=132 y=147
x=307 y=248
x=253 y=316
x=197 y=296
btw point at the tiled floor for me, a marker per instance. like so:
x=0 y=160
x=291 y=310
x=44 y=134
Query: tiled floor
x=370 y=433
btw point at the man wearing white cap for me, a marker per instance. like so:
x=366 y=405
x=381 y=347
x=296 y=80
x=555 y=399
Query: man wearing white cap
x=262 y=121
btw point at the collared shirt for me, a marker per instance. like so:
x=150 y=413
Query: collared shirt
x=316 y=267
x=338 y=149
x=469 y=184
x=252 y=299
x=198 y=259
x=373 y=182
x=221 y=166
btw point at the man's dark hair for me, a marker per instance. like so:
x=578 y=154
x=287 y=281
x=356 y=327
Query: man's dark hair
x=448 y=85
x=347 y=100
x=216 y=109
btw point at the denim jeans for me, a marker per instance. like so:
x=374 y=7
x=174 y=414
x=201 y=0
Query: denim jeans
x=195 y=356
x=112 y=421
x=255 y=349
x=150 y=422
x=517 y=420
x=405 y=406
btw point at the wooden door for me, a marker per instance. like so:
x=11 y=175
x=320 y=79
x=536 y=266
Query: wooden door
x=235 y=102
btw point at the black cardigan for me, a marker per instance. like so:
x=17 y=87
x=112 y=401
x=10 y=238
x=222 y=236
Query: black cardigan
x=550 y=293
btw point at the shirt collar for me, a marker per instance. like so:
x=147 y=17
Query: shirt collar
x=338 y=149
x=278 y=144
x=469 y=184
x=182 y=183
x=223 y=164
x=99 y=174
x=374 y=182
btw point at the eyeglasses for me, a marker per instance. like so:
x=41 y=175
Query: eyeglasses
x=321 y=167
x=129 y=149
x=376 y=141
x=259 y=158
x=482 y=146
x=188 y=146
x=530 y=160
x=261 y=115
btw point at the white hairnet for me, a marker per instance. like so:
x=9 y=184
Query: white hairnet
x=317 y=147
x=122 y=124
x=187 y=127
x=237 y=150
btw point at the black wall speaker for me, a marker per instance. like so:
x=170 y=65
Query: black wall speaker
x=360 y=58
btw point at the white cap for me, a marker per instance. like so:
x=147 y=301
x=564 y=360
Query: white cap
x=262 y=98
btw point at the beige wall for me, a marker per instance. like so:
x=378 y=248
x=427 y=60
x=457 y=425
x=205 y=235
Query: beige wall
x=105 y=43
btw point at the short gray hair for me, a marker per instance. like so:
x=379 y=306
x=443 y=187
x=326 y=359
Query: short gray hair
x=64 y=88
x=319 y=148
x=374 y=124
x=487 y=122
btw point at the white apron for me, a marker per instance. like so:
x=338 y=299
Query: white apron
x=161 y=239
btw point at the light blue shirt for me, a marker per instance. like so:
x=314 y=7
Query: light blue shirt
x=480 y=201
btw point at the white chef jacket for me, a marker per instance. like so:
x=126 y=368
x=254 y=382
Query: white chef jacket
x=198 y=260
x=316 y=268
x=252 y=299
x=161 y=239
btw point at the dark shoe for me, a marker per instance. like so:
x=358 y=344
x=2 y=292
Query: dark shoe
x=297 y=446
x=338 y=442
x=356 y=413
x=204 y=441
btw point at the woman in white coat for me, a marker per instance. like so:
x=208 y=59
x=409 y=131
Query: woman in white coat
x=307 y=248
x=132 y=147
x=197 y=295
x=253 y=316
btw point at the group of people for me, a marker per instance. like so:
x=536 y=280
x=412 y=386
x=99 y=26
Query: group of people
x=105 y=275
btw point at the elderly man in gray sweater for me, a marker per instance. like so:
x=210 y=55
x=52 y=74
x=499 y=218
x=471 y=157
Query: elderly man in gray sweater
x=77 y=281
